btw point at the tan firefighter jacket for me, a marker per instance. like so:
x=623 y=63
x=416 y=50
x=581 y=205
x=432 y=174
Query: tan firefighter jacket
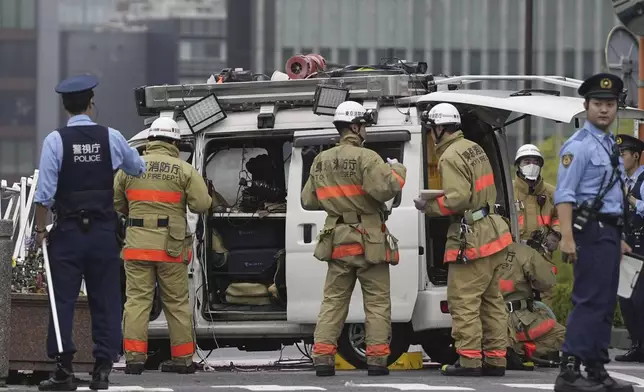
x=526 y=269
x=468 y=185
x=531 y=216
x=156 y=205
x=352 y=184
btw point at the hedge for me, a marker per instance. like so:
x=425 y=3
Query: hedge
x=561 y=302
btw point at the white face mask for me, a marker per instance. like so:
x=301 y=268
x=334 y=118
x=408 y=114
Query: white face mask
x=531 y=171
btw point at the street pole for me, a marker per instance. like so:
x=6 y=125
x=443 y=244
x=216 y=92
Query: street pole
x=527 y=130
x=6 y=250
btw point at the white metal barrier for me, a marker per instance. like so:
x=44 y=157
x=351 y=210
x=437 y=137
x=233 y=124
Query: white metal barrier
x=17 y=204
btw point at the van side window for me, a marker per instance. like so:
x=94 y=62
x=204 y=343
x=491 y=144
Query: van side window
x=384 y=149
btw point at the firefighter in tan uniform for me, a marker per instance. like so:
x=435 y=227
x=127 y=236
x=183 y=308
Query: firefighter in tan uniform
x=535 y=202
x=352 y=184
x=156 y=246
x=476 y=247
x=533 y=331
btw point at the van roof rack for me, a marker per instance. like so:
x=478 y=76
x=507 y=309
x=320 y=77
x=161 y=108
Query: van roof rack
x=235 y=96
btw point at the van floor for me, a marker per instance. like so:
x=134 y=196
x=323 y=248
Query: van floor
x=246 y=308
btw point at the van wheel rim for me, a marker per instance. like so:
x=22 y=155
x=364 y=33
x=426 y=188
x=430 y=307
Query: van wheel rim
x=357 y=334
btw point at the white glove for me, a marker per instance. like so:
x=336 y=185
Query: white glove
x=420 y=204
x=392 y=161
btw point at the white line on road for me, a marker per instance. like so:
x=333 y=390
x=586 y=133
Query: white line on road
x=276 y=388
x=131 y=389
x=626 y=377
x=545 y=387
x=410 y=387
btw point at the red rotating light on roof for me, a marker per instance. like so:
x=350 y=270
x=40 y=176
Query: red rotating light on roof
x=302 y=66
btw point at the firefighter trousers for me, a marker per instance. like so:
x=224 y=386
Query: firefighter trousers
x=338 y=288
x=479 y=318
x=535 y=333
x=172 y=278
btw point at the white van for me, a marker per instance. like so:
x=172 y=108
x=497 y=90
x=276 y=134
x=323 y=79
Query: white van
x=275 y=245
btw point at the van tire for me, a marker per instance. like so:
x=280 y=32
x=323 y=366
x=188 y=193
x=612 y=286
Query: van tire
x=399 y=345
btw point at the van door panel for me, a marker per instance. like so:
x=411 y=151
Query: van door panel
x=305 y=275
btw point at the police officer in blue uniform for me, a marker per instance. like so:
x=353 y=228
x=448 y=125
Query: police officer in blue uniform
x=590 y=204
x=633 y=308
x=77 y=166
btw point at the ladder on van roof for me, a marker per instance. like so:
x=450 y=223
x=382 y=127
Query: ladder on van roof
x=363 y=85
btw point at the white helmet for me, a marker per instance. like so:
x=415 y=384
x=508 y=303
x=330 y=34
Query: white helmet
x=528 y=150
x=165 y=127
x=444 y=113
x=350 y=112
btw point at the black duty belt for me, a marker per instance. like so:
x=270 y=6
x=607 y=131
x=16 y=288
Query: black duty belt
x=611 y=220
x=513 y=306
x=138 y=222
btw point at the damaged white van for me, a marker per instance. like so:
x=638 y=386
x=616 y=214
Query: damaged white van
x=255 y=284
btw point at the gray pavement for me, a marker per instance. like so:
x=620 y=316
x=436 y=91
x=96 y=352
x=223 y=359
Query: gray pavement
x=248 y=378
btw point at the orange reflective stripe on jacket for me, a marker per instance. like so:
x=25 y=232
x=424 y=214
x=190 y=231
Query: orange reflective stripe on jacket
x=483 y=251
x=137 y=346
x=400 y=180
x=341 y=251
x=183 y=350
x=469 y=353
x=349 y=190
x=441 y=206
x=541 y=220
x=536 y=332
x=150 y=255
x=484 y=182
x=153 y=196
x=506 y=286
x=378 y=350
x=324 y=349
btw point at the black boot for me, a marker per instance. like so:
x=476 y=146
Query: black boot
x=375 y=370
x=101 y=374
x=134 y=367
x=172 y=366
x=570 y=378
x=458 y=370
x=515 y=362
x=63 y=379
x=324 y=370
x=635 y=354
x=598 y=374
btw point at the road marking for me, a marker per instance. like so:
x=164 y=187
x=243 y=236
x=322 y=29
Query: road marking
x=410 y=387
x=272 y=387
x=628 y=378
x=131 y=388
x=545 y=387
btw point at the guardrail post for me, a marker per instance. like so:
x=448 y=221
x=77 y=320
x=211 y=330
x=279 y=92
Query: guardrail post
x=6 y=250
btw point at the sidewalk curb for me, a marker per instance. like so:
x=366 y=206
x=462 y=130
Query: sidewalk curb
x=619 y=339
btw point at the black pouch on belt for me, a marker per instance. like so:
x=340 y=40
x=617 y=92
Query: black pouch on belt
x=84 y=221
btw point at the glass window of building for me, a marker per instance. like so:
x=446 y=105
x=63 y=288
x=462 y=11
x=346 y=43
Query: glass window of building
x=25 y=161
x=9 y=14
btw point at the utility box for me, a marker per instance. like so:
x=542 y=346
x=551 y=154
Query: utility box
x=28 y=340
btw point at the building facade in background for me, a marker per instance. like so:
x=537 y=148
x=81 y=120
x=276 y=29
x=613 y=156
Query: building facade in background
x=18 y=87
x=454 y=37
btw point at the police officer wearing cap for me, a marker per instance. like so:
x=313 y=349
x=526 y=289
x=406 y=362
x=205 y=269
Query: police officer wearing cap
x=75 y=181
x=589 y=200
x=633 y=308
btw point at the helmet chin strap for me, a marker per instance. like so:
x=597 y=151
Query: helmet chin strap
x=438 y=138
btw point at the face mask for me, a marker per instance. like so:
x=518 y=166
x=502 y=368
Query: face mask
x=531 y=171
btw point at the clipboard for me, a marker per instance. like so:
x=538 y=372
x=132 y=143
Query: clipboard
x=629 y=273
x=430 y=194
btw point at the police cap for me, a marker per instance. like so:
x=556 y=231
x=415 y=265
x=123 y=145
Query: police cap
x=77 y=84
x=602 y=86
x=628 y=142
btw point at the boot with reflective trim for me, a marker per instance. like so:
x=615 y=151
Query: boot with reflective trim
x=63 y=378
x=458 y=370
x=173 y=366
x=597 y=373
x=101 y=374
x=134 y=367
x=570 y=378
x=324 y=365
x=635 y=354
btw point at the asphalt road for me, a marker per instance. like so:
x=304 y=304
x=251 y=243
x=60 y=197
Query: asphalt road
x=249 y=378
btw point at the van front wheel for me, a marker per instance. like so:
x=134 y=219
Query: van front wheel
x=352 y=347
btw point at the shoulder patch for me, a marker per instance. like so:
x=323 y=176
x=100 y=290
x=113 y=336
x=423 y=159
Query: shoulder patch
x=566 y=159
